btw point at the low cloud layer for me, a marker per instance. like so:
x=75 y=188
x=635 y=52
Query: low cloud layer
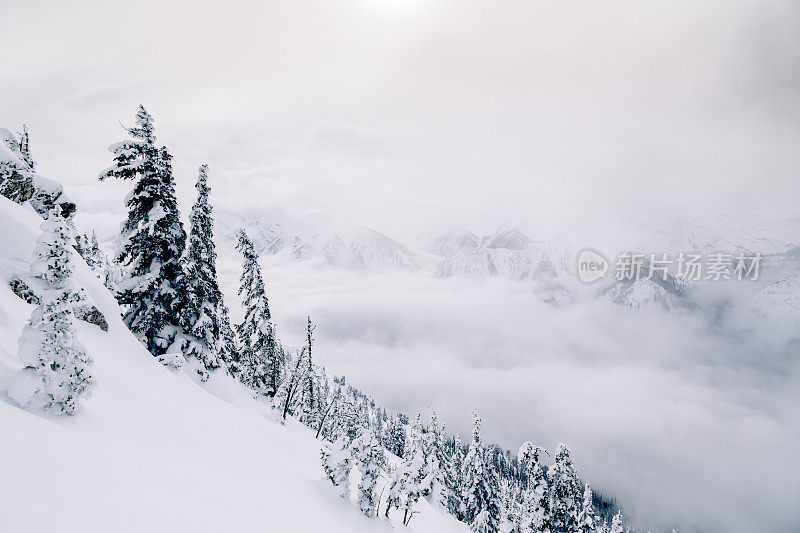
x=691 y=422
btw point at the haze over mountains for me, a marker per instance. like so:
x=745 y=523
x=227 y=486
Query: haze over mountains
x=323 y=240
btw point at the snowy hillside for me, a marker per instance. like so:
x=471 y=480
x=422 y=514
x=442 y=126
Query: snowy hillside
x=154 y=450
x=672 y=232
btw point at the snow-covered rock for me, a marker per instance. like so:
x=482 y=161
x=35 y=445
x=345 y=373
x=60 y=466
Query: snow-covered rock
x=20 y=183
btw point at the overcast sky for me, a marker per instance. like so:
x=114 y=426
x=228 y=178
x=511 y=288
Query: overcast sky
x=415 y=115
x=410 y=112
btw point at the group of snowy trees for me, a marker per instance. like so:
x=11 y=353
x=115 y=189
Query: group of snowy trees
x=98 y=261
x=478 y=484
x=166 y=283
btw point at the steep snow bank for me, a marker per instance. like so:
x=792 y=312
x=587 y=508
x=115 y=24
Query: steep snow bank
x=153 y=450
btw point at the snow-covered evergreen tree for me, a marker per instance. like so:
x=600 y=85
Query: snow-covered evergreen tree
x=398 y=487
x=587 y=519
x=89 y=249
x=437 y=458
x=308 y=399
x=565 y=492
x=259 y=367
x=337 y=462
x=25 y=147
x=414 y=434
x=153 y=236
x=404 y=488
x=199 y=302
x=367 y=455
x=535 y=513
x=329 y=404
x=396 y=434
x=57 y=371
x=289 y=393
x=229 y=344
x=419 y=447
x=453 y=480
x=616 y=523
x=111 y=274
x=481 y=485
x=483 y=523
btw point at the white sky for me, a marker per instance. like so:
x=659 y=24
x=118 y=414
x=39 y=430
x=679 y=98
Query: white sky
x=418 y=112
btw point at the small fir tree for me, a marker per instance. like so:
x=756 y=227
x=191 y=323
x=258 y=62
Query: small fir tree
x=587 y=519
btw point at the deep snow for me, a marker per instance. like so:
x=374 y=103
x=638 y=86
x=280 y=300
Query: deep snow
x=153 y=450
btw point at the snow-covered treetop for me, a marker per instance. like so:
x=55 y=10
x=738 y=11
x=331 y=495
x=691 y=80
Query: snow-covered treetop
x=476 y=428
x=144 y=129
x=529 y=453
x=133 y=157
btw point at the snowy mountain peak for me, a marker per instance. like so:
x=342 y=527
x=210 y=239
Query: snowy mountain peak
x=322 y=237
x=510 y=239
x=451 y=243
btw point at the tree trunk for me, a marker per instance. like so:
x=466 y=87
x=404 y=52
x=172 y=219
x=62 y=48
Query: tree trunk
x=324 y=416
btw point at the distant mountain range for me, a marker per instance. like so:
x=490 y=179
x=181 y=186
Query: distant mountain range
x=323 y=240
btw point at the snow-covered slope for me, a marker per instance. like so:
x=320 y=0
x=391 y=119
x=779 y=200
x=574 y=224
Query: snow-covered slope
x=153 y=450
x=664 y=231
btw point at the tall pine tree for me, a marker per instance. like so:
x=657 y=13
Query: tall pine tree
x=152 y=235
x=200 y=300
x=481 y=486
x=260 y=368
x=454 y=480
x=308 y=394
x=565 y=492
x=536 y=516
x=587 y=519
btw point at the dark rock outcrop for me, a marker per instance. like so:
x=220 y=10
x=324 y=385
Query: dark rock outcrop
x=83 y=311
x=91 y=314
x=22 y=290
x=16 y=183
